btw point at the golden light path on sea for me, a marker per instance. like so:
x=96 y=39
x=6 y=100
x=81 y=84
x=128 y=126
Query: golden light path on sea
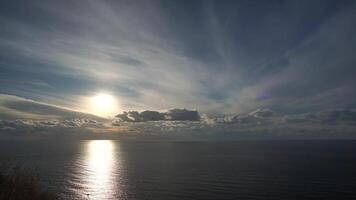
x=100 y=171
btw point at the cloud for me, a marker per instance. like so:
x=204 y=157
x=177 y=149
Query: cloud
x=30 y=124
x=27 y=118
x=258 y=124
x=153 y=55
x=171 y=115
x=217 y=58
x=183 y=124
x=14 y=107
x=325 y=117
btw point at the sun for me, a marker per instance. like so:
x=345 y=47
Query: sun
x=104 y=105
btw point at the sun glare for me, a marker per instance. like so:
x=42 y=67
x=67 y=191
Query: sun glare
x=104 y=105
x=99 y=167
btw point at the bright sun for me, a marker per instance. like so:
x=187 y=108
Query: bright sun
x=104 y=105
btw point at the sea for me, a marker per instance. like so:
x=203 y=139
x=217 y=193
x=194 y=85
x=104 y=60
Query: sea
x=250 y=169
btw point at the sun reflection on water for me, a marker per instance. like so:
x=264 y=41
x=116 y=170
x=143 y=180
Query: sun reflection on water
x=100 y=156
x=100 y=170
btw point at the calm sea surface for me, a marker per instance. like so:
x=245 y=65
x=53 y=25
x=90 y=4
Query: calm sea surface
x=109 y=169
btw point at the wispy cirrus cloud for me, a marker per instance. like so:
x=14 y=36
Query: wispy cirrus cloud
x=211 y=56
x=13 y=107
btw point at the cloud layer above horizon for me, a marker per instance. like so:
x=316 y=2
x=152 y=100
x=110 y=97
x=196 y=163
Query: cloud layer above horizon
x=42 y=120
x=216 y=57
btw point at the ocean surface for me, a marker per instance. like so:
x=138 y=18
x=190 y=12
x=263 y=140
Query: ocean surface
x=112 y=169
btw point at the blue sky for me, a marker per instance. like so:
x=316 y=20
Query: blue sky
x=219 y=57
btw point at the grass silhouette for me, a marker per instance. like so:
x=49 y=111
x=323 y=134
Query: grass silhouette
x=21 y=185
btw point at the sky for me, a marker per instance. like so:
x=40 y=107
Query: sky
x=218 y=57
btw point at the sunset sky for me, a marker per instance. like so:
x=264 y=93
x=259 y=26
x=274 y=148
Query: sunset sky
x=177 y=99
x=221 y=58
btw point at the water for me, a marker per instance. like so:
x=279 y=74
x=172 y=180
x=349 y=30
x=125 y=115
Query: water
x=105 y=169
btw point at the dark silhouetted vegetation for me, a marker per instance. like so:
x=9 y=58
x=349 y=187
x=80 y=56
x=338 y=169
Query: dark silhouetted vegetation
x=20 y=185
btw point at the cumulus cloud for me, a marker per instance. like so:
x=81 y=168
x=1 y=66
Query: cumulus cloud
x=21 y=116
x=184 y=124
x=171 y=115
x=268 y=117
x=31 y=124
x=258 y=124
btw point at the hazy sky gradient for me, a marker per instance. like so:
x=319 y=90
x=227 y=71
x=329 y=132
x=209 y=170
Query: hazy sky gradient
x=219 y=57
